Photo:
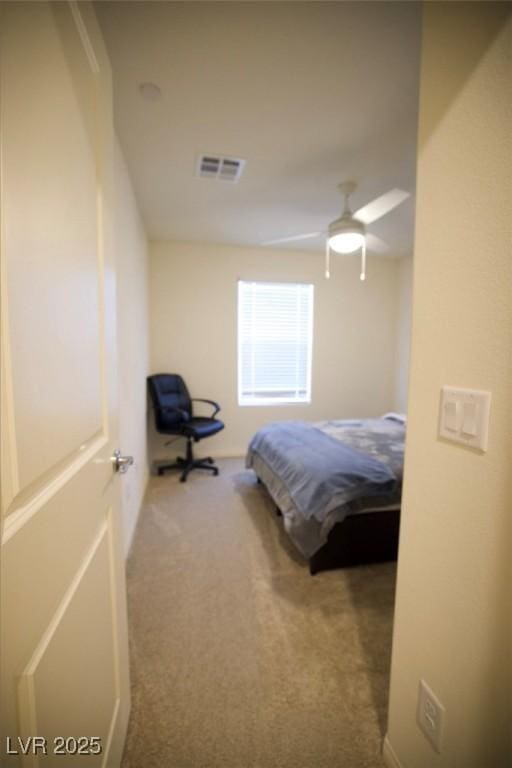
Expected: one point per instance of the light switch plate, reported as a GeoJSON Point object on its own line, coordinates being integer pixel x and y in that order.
{"type": "Point", "coordinates": [464, 416]}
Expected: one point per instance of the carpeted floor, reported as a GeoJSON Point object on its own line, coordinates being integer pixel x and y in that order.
{"type": "Point", "coordinates": [240, 658]}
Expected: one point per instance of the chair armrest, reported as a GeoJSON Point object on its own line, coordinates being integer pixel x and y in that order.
{"type": "Point", "coordinates": [215, 405]}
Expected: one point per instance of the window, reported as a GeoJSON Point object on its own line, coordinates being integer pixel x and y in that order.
{"type": "Point", "coordinates": [275, 339]}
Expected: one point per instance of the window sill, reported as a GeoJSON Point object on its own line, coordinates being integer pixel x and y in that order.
{"type": "Point", "coordinates": [272, 403]}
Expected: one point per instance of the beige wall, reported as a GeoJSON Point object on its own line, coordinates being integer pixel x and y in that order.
{"type": "Point", "coordinates": [133, 345]}
{"type": "Point", "coordinates": [453, 602]}
{"type": "Point", "coordinates": [193, 328]}
{"type": "Point", "coordinates": [403, 337]}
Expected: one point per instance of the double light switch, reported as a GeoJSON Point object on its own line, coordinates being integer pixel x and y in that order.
{"type": "Point", "coordinates": [464, 416]}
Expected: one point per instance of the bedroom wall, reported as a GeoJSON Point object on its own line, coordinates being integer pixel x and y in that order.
{"type": "Point", "coordinates": [453, 602]}
{"type": "Point", "coordinates": [403, 336]}
{"type": "Point", "coordinates": [193, 329]}
{"type": "Point", "coordinates": [133, 344]}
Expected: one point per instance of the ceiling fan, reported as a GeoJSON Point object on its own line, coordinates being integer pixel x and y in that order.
{"type": "Point", "coordinates": [347, 233]}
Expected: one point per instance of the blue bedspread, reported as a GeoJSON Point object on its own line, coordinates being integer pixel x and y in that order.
{"type": "Point", "coordinates": [319, 472]}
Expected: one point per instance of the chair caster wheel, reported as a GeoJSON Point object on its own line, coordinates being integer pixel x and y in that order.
{"type": "Point", "coordinates": [160, 472]}
{"type": "Point", "coordinates": [216, 472]}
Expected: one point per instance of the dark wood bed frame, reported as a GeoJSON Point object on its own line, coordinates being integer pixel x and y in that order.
{"type": "Point", "coordinates": [365, 538]}
{"type": "Point", "coordinates": [370, 537]}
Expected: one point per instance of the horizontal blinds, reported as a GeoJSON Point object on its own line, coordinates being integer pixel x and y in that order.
{"type": "Point", "coordinates": [274, 341]}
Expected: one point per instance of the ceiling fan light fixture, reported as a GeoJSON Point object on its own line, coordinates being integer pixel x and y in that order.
{"type": "Point", "coordinates": [346, 235]}
{"type": "Point", "coordinates": [346, 242]}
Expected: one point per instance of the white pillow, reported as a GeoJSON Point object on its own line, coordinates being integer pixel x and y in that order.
{"type": "Point", "coordinates": [400, 417]}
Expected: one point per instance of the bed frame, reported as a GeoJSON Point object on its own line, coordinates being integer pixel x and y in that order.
{"type": "Point", "coordinates": [371, 537]}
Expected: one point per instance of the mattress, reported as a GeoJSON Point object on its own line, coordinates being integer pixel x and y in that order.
{"type": "Point", "coordinates": [318, 474]}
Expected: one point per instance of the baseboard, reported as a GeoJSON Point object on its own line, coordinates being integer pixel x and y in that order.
{"type": "Point", "coordinates": [128, 542]}
{"type": "Point", "coordinates": [201, 453]}
{"type": "Point", "coordinates": [389, 754]}
{"type": "Point", "coordinates": [230, 455]}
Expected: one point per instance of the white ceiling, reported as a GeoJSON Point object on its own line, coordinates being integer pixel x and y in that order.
{"type": "Point", "coordinates": [308, 93]}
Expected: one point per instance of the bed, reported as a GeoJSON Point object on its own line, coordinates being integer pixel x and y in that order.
{"type": "Point", "coordinates": [337, 485]}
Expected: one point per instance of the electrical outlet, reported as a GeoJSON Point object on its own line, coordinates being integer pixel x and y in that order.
{"type": "Point", "coordinates": [430, 715]}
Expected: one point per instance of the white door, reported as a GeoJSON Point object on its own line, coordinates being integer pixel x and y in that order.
{"type": "Point", "coordinates": [64, 671]}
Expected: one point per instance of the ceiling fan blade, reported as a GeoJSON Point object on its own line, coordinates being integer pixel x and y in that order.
{"type": "Point", "coordinates": [292, 238]}
{"type": "Point", "coordinates": [381, 205]}
{"type": "Point", "coordinates": [374, 243]}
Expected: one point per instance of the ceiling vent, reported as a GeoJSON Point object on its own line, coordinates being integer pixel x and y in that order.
{"type": "Point", "coordinates": [221, 168]}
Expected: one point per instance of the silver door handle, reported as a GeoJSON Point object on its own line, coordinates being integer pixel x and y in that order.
{"type": "Point", "coordinates": [121, 463]}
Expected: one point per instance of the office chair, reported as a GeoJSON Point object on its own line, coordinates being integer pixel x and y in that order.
{"type": "Point", "coordinates": [174, 416]}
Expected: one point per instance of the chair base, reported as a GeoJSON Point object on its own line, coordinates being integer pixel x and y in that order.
{"type": "Point", "coordinates": [188, 464]}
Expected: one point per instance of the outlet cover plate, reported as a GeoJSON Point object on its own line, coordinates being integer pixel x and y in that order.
{"type": "Point", "coordinates": [430, 715]}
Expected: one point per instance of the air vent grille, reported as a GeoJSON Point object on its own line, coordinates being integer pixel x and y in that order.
{"type": "Point", "coordinates": [220, 168]}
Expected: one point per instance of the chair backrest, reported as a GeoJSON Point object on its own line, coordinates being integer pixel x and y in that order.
{"type": "Point", "coordinates": [168, 390]}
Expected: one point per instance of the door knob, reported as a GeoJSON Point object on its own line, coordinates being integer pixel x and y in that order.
{"type": "Point", "coordinates": [121, 463]}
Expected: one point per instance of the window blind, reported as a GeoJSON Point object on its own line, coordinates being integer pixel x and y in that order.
{"type": "Point", "coordinates": [275, 334]}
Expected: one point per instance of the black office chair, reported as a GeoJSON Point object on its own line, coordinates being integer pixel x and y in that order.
{"type": "Point", "coordinates": [174, 416]}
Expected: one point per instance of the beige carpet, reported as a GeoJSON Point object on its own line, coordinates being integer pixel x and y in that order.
{"type": "Point", "coordinates": [240, 658]}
